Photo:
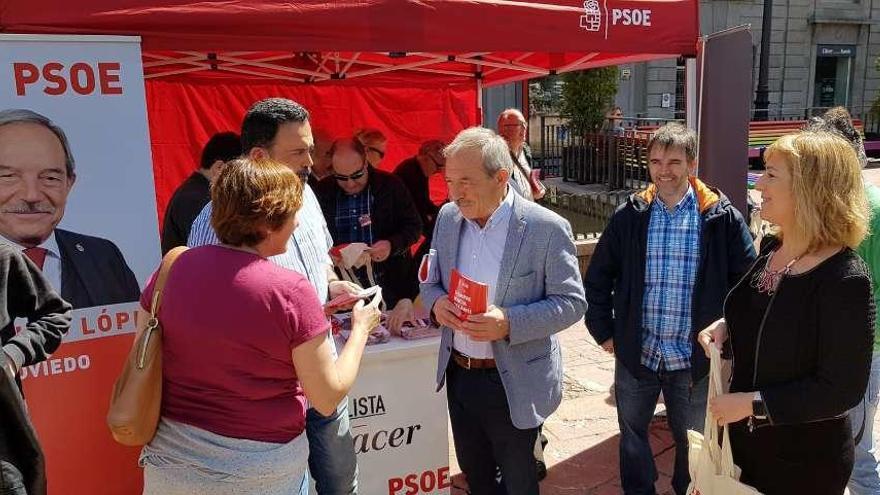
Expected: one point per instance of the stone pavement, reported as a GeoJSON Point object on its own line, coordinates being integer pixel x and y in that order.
{"type": "Point", "coordinates": [582, 454]}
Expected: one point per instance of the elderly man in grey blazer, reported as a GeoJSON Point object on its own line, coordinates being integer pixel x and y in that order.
{"type": "Point", "coordinates": [502, 368]}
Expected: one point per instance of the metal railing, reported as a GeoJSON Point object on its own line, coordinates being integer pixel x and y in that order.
{"type": "Point", "coordinates": [617, 160]}
{"type": "Point", "coordinates": [559, 142]}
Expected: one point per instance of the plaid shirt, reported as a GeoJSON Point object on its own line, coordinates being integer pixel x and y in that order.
{"type": "Point", "coordinates": [349, 211]}
{"type": "Point", "coordinates": [673, 256]}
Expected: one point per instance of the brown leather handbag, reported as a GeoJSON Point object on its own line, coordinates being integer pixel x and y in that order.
{"type": "Point", "coordinates": [137, 395]}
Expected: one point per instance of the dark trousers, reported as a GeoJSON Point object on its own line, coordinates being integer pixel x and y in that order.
{"type": "Point", "coordinates": [484, 434]}
{"type": "Point", "coordinates": [636, 399]}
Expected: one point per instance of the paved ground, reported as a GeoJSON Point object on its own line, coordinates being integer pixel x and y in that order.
{"type": "Point", "coordinates": [582, 454]}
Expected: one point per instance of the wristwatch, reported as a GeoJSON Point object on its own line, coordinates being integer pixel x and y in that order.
{"type": "Point", "coordinates": [758, 409]}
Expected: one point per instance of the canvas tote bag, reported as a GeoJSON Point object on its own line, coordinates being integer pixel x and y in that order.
{"type": "Point", "coordinates": [711, 465]}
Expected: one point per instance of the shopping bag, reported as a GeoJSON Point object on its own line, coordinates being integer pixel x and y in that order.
{"type": "Point", "coordinates": [710, 462]}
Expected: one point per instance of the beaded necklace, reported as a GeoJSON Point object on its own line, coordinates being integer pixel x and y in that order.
{"type": "Point", "coordinates": [766, 280]}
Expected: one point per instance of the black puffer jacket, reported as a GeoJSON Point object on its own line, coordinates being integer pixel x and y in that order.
{"type": "Point", "coordinates": [615, 281]}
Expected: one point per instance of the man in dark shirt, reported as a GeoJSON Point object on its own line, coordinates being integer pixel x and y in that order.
{"type": "Point", "coordinates": [415, 173]}
{"type": "Point", "coordinates": [189, 199]}
{"type": "Point", "coordinates": [364, 204]}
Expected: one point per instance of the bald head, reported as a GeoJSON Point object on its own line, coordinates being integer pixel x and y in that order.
{"type": "Point", "coordinates": [512, 127]}
{"type": "Point", "coordinates": [349, 164]}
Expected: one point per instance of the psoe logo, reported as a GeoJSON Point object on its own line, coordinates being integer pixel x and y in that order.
{"type": "Point", "coordinates": [592, 18]}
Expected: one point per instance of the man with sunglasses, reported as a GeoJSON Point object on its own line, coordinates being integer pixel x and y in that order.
{"type": "Point", "coordinates": [512, 127]}
{"type": "Point", "coordinates": [364, 204]}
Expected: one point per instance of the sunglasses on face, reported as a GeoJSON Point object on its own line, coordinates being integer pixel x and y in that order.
{"type": "Point", "coordinates": [355, 176]}
{"type": "Point", "coordinates": [376, 151]}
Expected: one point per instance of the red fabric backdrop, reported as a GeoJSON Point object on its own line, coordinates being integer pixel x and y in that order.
{"type": "Point", "coordinates": [184, 115]}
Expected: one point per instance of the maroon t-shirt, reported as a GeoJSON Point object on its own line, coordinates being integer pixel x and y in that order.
{"type": "Point", "coordinates": [230, 320]}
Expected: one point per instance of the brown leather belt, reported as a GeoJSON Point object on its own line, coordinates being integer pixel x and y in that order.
{"type": "Point", "coordinates": [470, 363]}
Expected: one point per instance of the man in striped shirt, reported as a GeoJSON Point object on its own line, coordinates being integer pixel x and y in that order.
{"type": "Point", "coordinates": [279, 129]}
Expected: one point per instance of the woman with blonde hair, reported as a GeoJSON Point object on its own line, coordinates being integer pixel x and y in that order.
{"type": "Point", "coordinates": [245, 344]}
{"type": "Point", "coordinates": [799, 325]}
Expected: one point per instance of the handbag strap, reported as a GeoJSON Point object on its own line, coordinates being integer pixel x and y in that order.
{"type": "Point", "coordinates": [710, 427]}
{"type": "Point", "coordinates": [728, 468]}
{"type": "Point", "coordinates": [711, 441]}
{"type": "Point", "coordinates": [164, 270]}
{"type": "Point", "coordinates": [158, 287]}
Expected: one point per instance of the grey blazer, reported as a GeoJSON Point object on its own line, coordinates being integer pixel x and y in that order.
{"type": "Point", "coordinates": [539, 287]}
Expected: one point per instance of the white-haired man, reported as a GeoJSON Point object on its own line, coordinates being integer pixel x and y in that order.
{"type": "Point", "coordinates": [503, 367]}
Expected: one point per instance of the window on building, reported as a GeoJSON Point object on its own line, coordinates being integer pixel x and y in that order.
{"type": "Point", "coordinates": [680, 89]}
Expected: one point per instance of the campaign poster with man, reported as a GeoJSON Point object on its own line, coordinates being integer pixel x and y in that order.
{"type": "Point", "coordinates": [77, 197]}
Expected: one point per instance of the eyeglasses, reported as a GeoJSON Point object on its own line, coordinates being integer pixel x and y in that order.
{"type": "Point", "coordinates": [355, 176]}
{"type": "Point", "coordinates": [376, 151]}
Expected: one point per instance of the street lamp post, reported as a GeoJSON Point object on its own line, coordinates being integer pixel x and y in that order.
{"type": "Point", "coordinates": [762, 100]}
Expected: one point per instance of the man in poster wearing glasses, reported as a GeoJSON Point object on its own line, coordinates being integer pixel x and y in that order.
{"type": "Point", "coordinates": [364, 204]}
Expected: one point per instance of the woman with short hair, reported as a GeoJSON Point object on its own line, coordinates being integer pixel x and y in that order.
{"type": "Point", "coordinates": [800, 323]}
{"type": "Point", "coordinates": [245, 344]}
{"type": "Point", "coordinates": [374, 144]}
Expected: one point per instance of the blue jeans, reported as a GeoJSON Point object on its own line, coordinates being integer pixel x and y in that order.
{"type": "Point", "coordinates": [332, 461]}
{"type": "Point", "coordinates": [636, 399]}
{"type": "Point", "coordinates": [865, 478]}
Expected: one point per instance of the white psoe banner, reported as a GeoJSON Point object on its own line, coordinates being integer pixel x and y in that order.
{"type": "Point", "coordinates": [399, 422]}
{"type": "Point", "coordinates": [96, 217]}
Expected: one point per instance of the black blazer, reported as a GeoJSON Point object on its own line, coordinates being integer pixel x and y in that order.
{"type": "Point", "coordinates": [93, 271]}
{"type": "Point", "coordinates": [812, 359]}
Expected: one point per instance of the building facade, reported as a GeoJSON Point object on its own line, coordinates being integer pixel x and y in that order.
{"type": "Point", "coordinates": [822, 53]}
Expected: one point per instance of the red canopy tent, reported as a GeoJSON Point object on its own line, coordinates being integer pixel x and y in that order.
{"type": "Point", "coordinates": [412, 68]}
{"type": "Point", "coordinates": [415, 69]}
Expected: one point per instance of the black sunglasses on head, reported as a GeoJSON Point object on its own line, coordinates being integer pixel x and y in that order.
{"type": "Point", "coordinates": [355, 176]}
{"type": "Point", "coordinates": [376, 151]}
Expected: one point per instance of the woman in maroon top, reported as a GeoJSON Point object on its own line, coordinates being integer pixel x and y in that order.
{"type": "Point", "coordinates": [245, 345]}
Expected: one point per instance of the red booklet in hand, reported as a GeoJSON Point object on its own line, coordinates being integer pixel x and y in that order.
{"type": "Point", "coordinates": [468, 296]}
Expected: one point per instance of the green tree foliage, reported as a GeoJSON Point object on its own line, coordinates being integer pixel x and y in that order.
{"type": "Point", "coordinates": [587, 96]}
{"type": "Point", "coordinates": [545, 95]}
